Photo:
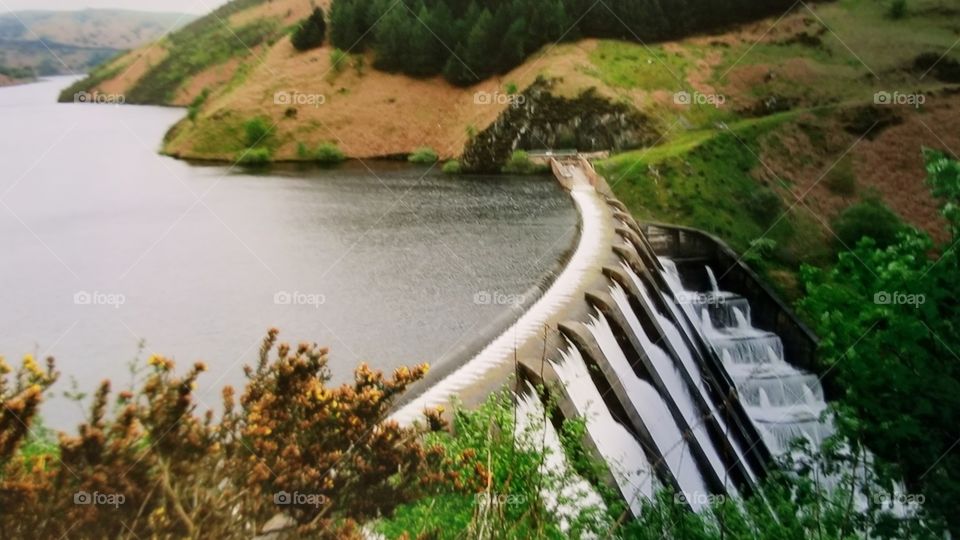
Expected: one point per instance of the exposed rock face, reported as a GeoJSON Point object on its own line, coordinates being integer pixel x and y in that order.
{"type": "Point", "coordinates": [537, 119]}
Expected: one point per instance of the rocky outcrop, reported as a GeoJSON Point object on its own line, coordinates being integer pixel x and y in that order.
{"type": "Point", "coordinates": [538, 119]}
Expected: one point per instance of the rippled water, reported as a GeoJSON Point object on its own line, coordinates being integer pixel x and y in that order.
{"type": "Point", "coordinates": [104, 243]}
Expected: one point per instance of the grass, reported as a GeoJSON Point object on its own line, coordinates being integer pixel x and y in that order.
{"type": "Point", "coordinates": [705, 179]}
{"type": "Point", "coordinates": [633, 66]}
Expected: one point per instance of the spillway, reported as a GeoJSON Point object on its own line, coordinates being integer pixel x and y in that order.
{"type": "Point", "coordinates": [619, 448]}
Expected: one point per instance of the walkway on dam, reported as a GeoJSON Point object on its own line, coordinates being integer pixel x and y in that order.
{"type": "Point", "coordinates": [489, 370]}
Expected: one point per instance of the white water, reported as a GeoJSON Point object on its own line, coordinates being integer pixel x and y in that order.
{"type": "Point", "coordinates": [620, 450]}
{"type": "Point", "coordinates": [784, 402]}
{"type": "Point", "coordinates": [574, 498]}
{"type": "Point", "coordinates": [655, 413]}
{"type": "Point", "coordinates": [679, 345]}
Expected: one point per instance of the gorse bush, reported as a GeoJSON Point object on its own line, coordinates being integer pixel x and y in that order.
{"type": "Point", "coordinates": [311, 32]}
{"type": "Point", "coordinates": [145, 465]}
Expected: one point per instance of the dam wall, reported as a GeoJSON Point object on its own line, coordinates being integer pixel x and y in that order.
{"type": "Point", "coordinates": [683, 384]}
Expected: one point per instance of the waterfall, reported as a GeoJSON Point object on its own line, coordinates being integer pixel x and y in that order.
{"type": "Point", "coordinates": [574, 498]}
{"type": "Point", "coordinates": [655, 413]}
{"type": "Point", "coordinates": [713, 281]}
{"type": "Point", "coordinates": [620, 450]}
{"type": "Point", "coordinates": [659, 357]}
{"type": "Point", "coordinates": [782, 401]}
{"type": "Point", "coordinates": [742, 323]}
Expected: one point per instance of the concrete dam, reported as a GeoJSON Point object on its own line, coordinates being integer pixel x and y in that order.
{"type": "Point", "coordinates": [688, 371]}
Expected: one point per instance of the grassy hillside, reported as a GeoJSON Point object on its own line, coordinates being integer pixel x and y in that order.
{"type": "Point", "coordinates": [66, 42]}
{"type": "Point", "coordinates": [770, 129]}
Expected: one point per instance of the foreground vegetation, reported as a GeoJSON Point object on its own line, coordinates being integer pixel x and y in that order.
{"type": "Point", "coordinates": [302, 460]}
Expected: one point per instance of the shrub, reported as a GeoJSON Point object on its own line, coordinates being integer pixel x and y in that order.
{"type": "Point", "coordinates": [765, 205]}
{"type": "Point", "coordinates": [423, 155]}
{"type": "Point", "coordinates": [452, 167]}
{"type": "Point", "coordinates": [329, 153]}
{"type": "Point", "coordinates": [194, 109]}
{"type": "Point", "coordinates": [869, 218]}
{"type": "Point", "coordinates": [311, 32]}
{"type": "Point", "coordinates": [520, 163]}
{"type": "Point", "coordinates": [256, 132]}
{"type": "Point", "coordinates": [302, 151]}
{"type": "Point", "coordinates": [338, 60]}
{"type": "Point", "coordinates": [255, 157]}
{"type": "Point", "coordinates": [761, 251]}
{"type": "Point", "coordinates": [184, 475]}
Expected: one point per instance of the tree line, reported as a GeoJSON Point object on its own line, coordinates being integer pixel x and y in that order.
{"type": "Point", "coordinates": [469, 40]}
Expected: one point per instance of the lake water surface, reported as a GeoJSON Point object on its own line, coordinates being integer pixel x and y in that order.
{"type": "Point", "coordinates": [104, 244]}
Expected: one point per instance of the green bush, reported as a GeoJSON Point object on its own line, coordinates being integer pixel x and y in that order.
{"type": "Point", "coordinates": [520, 163]}
{"type": "Point", "coordinates": [255, 157]}
{"type": "Point", "coordinates": [423, 155]}
{"type": "Point", "coordinates": [338, 60]}
{"type": "Point", "coordinates": [194, 109]}
{"type": "Point", "coordinates": [452, 167]}
{"type": "Point", "coordinates": [311, 32]}
{"type": "Point", "coordinates": [869, 218]}
{"type": "Point", "coordinates": [256, 132]}
{"type": "Point", "coordinates": [329, 153]}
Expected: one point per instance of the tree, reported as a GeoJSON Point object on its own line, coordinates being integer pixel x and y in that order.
{"type": "Point", "coordinates": [869, 218]}
{"type": "Point", "coordinates": [888, 323]}
{"type": "Point", "coordinates": [311, 32]}
{"type": "Point", "coordinates": [393, 39]}
{"type": "Point", "coordinates": [345, 23]}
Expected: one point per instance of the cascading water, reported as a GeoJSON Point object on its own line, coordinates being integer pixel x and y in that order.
{"type": "Point", "coordinates": [655, 413]}
{"type": "Point", "coordinates": [619, 448]}
{"type": "Point", "coordinates": [678, 344]}
{"type": "Point", "coordinates": [784, 402]}
{"type": "Point", "coordinates": [574, 498]}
